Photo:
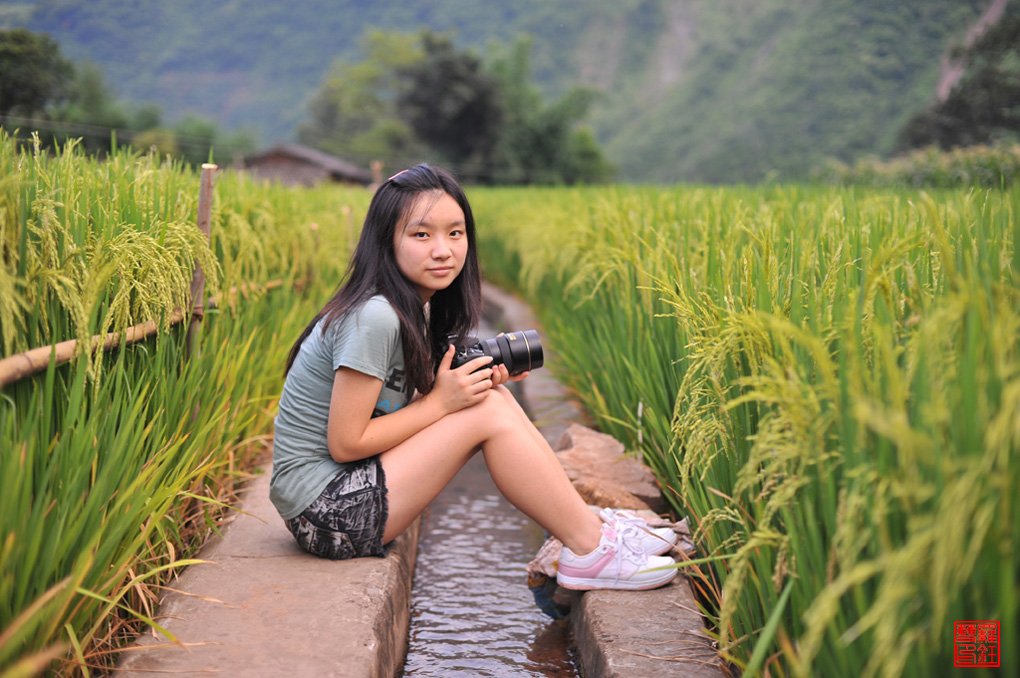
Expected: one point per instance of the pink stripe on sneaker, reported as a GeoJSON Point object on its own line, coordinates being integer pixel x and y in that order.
{"type": "Point", "coordinates": [589, 572]}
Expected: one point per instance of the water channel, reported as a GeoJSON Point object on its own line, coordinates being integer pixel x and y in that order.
{"type": "Point", "coordinates": [472, 613]}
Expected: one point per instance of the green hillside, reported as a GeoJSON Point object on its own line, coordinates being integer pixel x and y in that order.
{"type": "Point", "coordinates": [694, 90]}
{"type": "Point", "coordinates": [777, 85]}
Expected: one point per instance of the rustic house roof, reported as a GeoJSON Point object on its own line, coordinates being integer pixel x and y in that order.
{"type": "Point", "coordinates": [296, 164]}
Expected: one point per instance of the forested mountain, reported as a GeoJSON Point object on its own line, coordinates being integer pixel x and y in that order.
{"type": "Point", "coordinates": [706, 90]}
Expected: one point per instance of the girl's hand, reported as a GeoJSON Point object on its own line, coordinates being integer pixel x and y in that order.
{"type": "Point", "coordinates": [462, 387]}
{"type": "Point", "coordinates": [501, 375]}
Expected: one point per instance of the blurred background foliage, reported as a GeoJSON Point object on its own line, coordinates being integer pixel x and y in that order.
{"type": "Point", "coordinates": [740, 91]}
{"type": "Point", "coordinates": [43, 92]}
{"type": "Point", "coordinates": [417, 96]}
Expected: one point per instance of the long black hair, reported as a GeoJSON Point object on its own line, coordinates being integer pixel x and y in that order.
{"type": "Point", "coordinates": [452, 312]}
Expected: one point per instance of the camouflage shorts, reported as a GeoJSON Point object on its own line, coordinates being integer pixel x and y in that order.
{"type": "Point", "coordinates": [348, 519]}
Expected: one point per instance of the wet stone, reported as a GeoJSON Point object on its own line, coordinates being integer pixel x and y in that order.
{"type": "Point", "coordinates": [597, 466]}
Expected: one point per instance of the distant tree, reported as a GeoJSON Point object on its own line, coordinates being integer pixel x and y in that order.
{"type": "Point", "coordinates": [195, 137]}
{"type": "Point", "coordinates": [419, 96]}
{"type": "Point", "coordinates": [90, 100]}
{"type": "Point", "coordinates": [984, 106]}
{"type": "Point", "coordinates": [452, 104]}
{"type": "Point", "coordinates": [199, 140]}
{"type": "Point", "coordinates": [584, 161]}
{"type": "Point", "coordinates": [353, 114]}
{"type": "Point", "coordinates": [539, 143]}
{"type": "Point", "coordinates": [33, 73]}
{"type": "Point", "coordinates": [74, 102]}
{"type": "Point", "coordinates": [92, 107]}
{"type": "Point", "coordinates": [146, 117]}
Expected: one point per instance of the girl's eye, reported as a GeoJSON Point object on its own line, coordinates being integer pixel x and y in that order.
{"type": "Point", "coordinates": [420, 235]}
{"type": "Point", "coordinates": [456, 233]}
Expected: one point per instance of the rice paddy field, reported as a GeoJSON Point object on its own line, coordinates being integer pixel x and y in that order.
{"type": "Point", "coordinates": [825, 379]}
{"type": "Point", "coordinates": [115, 467]}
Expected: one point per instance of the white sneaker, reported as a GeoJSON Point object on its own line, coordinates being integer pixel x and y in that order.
{"type": "Point", "coordinates": [652, 541]}
{"type": "Point", "coordinates": [615, 564]}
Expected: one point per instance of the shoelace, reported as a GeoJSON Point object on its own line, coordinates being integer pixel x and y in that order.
{"type": "Point", "coordinates": [627, 518]}
{"type": "Point", "coordinates": [623, 543]}
{"type": "Point", "coordinates": [632, 536]}
{"type": "Point", "coordinates": [630, 522]}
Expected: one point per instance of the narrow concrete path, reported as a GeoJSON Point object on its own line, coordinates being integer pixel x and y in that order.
{"type": "Point", "coordinates": [263, 608]}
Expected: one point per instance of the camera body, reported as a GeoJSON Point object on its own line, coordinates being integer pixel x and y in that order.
{"type": "Point", "coordinates": [520, 351]}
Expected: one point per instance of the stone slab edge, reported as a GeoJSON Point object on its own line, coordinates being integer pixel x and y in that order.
{"type": "Point", "coordinates": [619, 634]}
{"type": "Point", "coordinates": [261, 607]}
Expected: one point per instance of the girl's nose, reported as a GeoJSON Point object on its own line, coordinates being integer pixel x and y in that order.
{"type": "Point", "coordinates": [441, 249]}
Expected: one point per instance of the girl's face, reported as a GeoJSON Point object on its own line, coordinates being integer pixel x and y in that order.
{"type": "Point", "coordinates": [431, 243]}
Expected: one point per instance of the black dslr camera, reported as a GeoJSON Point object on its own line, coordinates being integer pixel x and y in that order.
{"type": "Point", "coordinates": [520, 351]}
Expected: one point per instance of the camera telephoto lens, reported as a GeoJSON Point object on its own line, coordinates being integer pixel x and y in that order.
{"type": "Point", "coordinates": [520, 351]}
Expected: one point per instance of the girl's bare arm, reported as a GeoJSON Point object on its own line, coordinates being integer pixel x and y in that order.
{"type": "Point", "coordinates": [353, 433]}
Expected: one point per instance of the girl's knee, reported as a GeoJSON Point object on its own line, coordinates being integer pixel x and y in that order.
{"type": "Point", "coordinates": [495, 408]}
{"type": "Point", "coordinates": [496, 398]}
{"type": "Point", "coordinates": [496, 414]}
{"type": "Point", "coordinates": [510, 399]}
{"type": "Point", "coordinates": [503, 391]}
{"type": "Point", "coordinates": [485, 411]}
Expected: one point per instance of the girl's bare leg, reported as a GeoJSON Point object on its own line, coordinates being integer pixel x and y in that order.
{"type": "Point", "coordinates": [519, 411]}
{"type": "Point", "coordinates": [520, 461]}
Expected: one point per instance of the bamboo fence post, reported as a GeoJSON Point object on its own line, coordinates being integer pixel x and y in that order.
{"type": "Point", "coordinates": [16, 367]}
{"type": "Point", "coordinates": [20, 365]}
{"type": "Point", "coordinates": [205, 194]}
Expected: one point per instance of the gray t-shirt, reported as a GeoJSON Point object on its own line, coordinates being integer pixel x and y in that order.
{"type": "Point", "coordinates": [366, 339]}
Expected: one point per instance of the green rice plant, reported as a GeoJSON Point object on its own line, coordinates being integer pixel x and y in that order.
{"type": "Point", "coordinates": [73, 260]}
{"type": "Point", "coordinates": [842, 371]}
{"type": "Point", "coordinates": [114, 468]}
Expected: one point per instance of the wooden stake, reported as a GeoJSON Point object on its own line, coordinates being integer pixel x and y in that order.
{"type": "Point", "coordinates": [205, 195]}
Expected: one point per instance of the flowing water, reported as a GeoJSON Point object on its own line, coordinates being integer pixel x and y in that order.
{"type": "Point", "coordinates": [472, 613]}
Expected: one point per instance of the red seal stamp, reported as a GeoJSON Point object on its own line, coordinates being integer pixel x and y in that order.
{"type": "Point", "coordinates": [975, 644]}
